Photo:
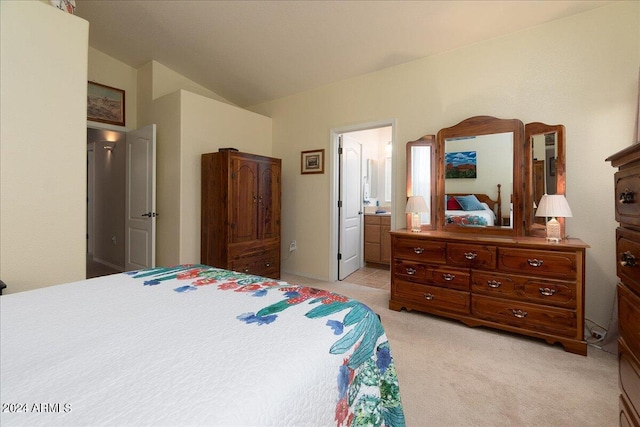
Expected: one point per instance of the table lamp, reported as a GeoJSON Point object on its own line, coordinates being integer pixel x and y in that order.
{"type": "Point", "coordinates": [415, 206]}
{"type": "Point", "coordinates": [554, 205]}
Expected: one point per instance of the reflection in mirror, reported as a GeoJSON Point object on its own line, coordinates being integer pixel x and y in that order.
{"type": "Point", "coordinates": [482, 166]}
{"type": "Point", "coordinates": [421, 174]}
{"type": "Point", "coordinates": [547, 154]}
{"type": "Point", "coordinates": [497, 146]}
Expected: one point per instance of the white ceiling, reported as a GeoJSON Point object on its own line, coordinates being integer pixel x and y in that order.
{"type": "Point", "coordinates": [254, 51]}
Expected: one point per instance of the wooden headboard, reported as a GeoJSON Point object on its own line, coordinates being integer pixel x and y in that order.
{"type": "Point", "coordinates": [496, 204]}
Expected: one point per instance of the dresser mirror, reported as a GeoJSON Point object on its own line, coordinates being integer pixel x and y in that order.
{"type": "Point", "coordinates": [421, 176]}
{"type": "Point", "coordinates": [547, 166]}
{"type": "Point", "coordinates": [482, 157]}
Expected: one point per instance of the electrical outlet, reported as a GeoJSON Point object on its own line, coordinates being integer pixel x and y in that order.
{"type": "Point", "coordinates": [292, 246]}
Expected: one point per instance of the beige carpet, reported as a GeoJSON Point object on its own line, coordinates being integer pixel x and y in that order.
{"type": "Point", "coordinates": [453, 375]}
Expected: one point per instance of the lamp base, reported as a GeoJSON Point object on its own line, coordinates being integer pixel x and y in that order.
{"type": "Point", "coordinates": [415, 223]}
{"type": "Point", "coordinates": [553, 231]}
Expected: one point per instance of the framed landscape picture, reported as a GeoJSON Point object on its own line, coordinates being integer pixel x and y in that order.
{"type": "Point", "coordinates": [105, 104]}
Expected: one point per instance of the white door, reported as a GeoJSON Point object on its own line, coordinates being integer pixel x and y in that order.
{"type": "Point", "coordinates": [140, 204]}
{"type": "Point", "coordinates": [351, 211]}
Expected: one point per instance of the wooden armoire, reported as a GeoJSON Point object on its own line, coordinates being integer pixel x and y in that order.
{"type": "Point", "coordinates": [240, 228]}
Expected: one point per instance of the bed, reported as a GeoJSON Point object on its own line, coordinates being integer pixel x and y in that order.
{"type": "Point", "coordinates": [473, 210]}
{"type": "Point", "coordinates": [193, 345]}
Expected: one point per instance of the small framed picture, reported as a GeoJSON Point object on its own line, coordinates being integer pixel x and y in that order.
{"type": "Point", "coordinates": [105, 104]}
{"type": "Point", "coordinates": [312, 161]}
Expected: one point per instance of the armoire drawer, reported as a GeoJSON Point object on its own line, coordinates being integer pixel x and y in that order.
{"type": "Point", "coordinates": [627, 193]}
{"type": "Point", "coordinates": [420, 250]}
{"type": "Point", "coordinates": [265, 265]}
{"type": "Point", "coordinates": [472, 256]}
{"type": "Point", "coordinates": [523, 288]}
{"type": "Point", "coordinates": [628, 257]}
{"type": "Point", "coordinates": [538, 318]}
{"type": "Point", "coordinates": [562, 265]}
{"type": "Point", "coordinates": [433, 297]}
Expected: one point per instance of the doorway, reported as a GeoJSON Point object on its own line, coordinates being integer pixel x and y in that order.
{"type": "Point", "coordinates": [367, 183]}
{"type": "Point", "coordinates": [105, 201]}
{"type": "Point", "coordinates": [121, 207]}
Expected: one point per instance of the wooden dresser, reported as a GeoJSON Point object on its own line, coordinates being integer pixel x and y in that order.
{"type": "Point", "coordinates": [518, 284]}
{"type": "Point", "coordinates": [240, 222]}
{"type": "Point", "coordinates": [377, 246]}
{"type": "Point", "coordinates": [627, 210]}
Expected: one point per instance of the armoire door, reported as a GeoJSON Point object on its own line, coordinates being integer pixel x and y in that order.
{"type": "Point", "coordinates": [269, 200]}
{"type": "Point", "coordinates": [243, 200]}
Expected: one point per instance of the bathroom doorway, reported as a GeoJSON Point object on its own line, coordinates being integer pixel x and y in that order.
{"type": "Point", "coordinates": [370, 190]}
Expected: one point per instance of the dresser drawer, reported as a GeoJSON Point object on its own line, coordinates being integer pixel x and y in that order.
{"type": "Point", "coordinates": [420, 250]}
{"type": "Point", "coordinates": [629, 318]}
{"type": "Point", "coordinates": [411, 270]}
{"type": "Point", "coordinates": [451, 278]}
{"type": "Point", "coordinates": [627, 193]}
{"type": "Point", "coordinates": [433, 297]}
{"type": "Point", "coordinates": [543, 263]}
{"type": "Point", "coordinates": [628, 257]}
{"type": "Point", "coordinates": [629, 379]}
{"type": "Point", "coordinates": [473, 256]}
{"type": "Point", "coordinates": [528, 289]}
{"type": "Point", "coordinates": [550, 320]}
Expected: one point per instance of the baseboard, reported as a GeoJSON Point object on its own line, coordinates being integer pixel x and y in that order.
{"type": "Point", "coordinates": [108, 264]}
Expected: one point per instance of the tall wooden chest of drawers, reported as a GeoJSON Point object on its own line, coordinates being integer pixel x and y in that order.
{"type": "Point", "coordinates": [523, 285]}
{"type": "Point", "coordinates": [627, 210]}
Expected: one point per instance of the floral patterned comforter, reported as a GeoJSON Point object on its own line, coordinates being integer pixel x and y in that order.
{"type": "Point", "coordinates": [194, 345]}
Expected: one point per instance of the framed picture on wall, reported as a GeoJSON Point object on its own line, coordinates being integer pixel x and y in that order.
{"type": "Point", "coordinates": [105, 104]}
{"type": "Point", "coordinates": [312, 162]}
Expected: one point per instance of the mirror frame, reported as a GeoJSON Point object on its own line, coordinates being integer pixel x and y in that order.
{"type": "Point", "coordinates": [538, 128]}
{"type": "Point", "coordinates": [485, 125]}
{"type": "Point", "coordinates": [426, 140]}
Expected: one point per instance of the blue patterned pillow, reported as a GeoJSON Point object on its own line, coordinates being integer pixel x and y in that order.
{"type": "Point", "coordinates": [470, 203]}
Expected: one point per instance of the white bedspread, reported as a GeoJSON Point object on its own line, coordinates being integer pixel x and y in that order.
{"type": "Point", "coordinates": [208, 347]}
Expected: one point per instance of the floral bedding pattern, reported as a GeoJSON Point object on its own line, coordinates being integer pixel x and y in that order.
{"type": "Point", "coordinates": [367, 392]}
{"type": "Point", "coordinates": [466, 220]}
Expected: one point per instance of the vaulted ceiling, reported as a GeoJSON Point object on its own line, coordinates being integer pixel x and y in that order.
{"type": "Point", "coordinates": [254, 51]}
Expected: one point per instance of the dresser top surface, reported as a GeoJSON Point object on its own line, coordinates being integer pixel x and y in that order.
{"type": "Point", "coordinates": [569, 243]}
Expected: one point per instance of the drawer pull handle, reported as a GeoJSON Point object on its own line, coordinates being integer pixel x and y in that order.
{"type": "Point", "coordinates": [418, 250]}
{"type": "Point", "coordinates": [246, 269]}
{"type": "Point", "coordinates": [493, 284]}
{"type": "Point", "coordinates": [267, 264]}
{"type": "Point", "coordinates": [627, 259]}
{"type": "Point", "coordinates": [411, 271]}
{"type": "Point", "coordinates": [627, 196]}
{"type": "Point", "coordinates": [519, 313]}
{"type": "Point", "coordinates": [448, 277]}
{"type": "Point", "coordinates": [547, 292]}
{"type": "Point", "coordinates": [429, 297]}
{"type": "Point", "coordinates": [535, 262]}
{"type": "Point", "coordinates": [470, 255]}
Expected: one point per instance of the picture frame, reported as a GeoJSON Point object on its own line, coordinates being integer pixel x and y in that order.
{"type": "Point", "coordinates": [105, 104]}
{"type": "Point", "coordinates": [461, 164]}
{"type": "Point", "coordinates": [312, 161]}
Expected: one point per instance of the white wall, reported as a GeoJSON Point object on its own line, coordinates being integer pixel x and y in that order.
{"type": "Point", "coordinates": [580, 71]}
{"type": "Point", "coordinates": [43, 105]}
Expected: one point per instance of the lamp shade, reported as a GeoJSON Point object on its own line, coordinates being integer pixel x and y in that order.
{"type": "Point", "coordinates": [416, 204]}
{"type": "Point", "coordinates": [554, 205]}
